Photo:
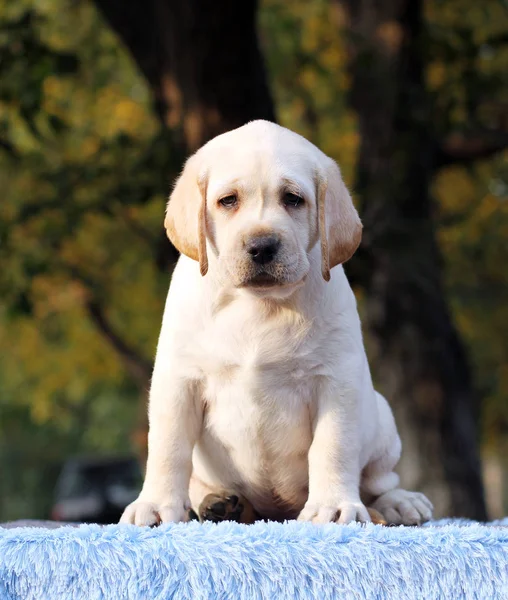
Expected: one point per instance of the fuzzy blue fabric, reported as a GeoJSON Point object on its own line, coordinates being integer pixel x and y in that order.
{"type": "Point", "coordinates": [299, 561]}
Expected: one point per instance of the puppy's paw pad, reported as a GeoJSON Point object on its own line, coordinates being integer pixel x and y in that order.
{"type": "Point", "coordinates": [376, 517]}
{"type": "Point", "coordinates": [226, 507]}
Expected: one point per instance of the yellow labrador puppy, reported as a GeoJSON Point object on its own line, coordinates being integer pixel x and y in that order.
{"type": "Point", "coordinates": [261, 384]}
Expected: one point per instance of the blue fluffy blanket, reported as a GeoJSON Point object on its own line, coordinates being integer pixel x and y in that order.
{"type": "Point", "coordinates": [263, 561]}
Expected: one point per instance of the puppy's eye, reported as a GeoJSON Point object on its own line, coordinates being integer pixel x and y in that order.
{"type": "Point", "coordinates": [292, 200]}
{"type": "Point", "coordinates": [228, 201]}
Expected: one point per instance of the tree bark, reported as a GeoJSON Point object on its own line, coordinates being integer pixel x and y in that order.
{"type": "Point", "coordinates": [418, 359]}
{"type": "Point", "coordinates": [201, 59]}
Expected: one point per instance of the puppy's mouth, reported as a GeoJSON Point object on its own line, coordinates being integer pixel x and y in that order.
{"type": "Point", "coordinates": [266, 283]}
{"type": "Point", "coordinates": [263, 280]}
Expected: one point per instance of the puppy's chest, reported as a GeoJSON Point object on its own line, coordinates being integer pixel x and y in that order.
{"type": "Point", "coordinates": [265, 361]}
{"type": "Point", "coordinates": [257, 385]}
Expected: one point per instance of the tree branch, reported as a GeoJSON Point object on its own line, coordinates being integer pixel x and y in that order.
{"type": "Point", "coordinates": [9, 148]}
{"type": "Point", "coordinates": [139, 367]}
{"type": "Point", "coordinates": [465, 148]}
{"type": "Point", "coordinates": [496, 40]}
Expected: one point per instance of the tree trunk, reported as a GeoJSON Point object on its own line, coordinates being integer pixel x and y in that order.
{"type": "Point", "coordinates": [418, 359]}
{"type": "Point", "coordinates": [201, 59]}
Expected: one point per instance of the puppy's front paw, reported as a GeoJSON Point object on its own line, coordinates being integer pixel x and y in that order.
{"type": "Point", "coordinates": [343, 512]}
{"type": "Point", "coordinates": [226, 507]}
{"type": "Point", "coordinates": [401, 507]}
{"type": "Point", "coordinates": [151, 514]}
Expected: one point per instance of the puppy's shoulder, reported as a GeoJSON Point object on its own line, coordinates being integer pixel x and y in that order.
{"type": "Point", "coordinates": [337, 294]}
{"type": "Point", "coordinates": [185, 290]}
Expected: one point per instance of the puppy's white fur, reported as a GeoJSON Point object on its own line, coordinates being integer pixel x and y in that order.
{"type": "Point", "coordinates": [264, 389]}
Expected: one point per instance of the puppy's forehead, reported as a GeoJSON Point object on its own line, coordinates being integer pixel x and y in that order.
{"type": "Point", "coordinates": [251, 160]}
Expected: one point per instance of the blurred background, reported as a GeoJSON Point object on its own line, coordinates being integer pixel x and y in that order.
{"type": "Point", "coordinates": [100, 102]}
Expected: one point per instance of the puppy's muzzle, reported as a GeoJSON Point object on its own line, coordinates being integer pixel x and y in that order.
{"type": "Point", "coordinates": [263, 248]}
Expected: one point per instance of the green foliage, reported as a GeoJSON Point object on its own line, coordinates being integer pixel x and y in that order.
{"type": "Point", "coordinates": [85, 169]}
{"type": "Point", "coordinates": [307, 65]}
{"type": "Point", "coordinates": [473, 234]}
{"type": "Point", "coordinates": [468, 78]}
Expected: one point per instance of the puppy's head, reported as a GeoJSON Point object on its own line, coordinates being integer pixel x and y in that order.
{"type": "Point", "coordinates": [259, 198]}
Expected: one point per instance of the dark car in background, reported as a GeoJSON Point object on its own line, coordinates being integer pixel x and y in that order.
{"type": "Point", "coordinates": [96, 489]}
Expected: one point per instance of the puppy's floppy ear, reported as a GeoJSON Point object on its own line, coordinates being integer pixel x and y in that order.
{"type": "Point", "coordinates": [340, 228]}
{"type": "Point", "coordinates": [185, 221]}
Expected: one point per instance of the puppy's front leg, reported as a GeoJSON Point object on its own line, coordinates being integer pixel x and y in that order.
{"type": "Point", "coordinates": [175, 416]}
{"type": "Point", "coordinates": [334, 465]}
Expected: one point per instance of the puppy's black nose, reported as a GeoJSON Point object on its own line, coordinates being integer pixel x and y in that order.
{"type": "Point", "coordinates": [263, 248]}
